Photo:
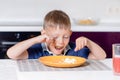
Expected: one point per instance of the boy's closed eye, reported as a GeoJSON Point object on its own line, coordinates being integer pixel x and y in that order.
{"type": "Point", "coordinates": [66, 37]}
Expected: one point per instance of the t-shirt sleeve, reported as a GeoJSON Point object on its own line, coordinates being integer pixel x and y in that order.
{"type": "Point", "coordinates": [84, 52]}
{"type": "Point", "coordinates": [35, 51]}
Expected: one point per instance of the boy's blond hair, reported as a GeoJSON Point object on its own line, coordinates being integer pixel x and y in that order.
{"type": "Point", "coordinates": [57, 18]}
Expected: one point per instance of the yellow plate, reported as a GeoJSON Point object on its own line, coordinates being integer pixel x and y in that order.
{"type": "Point", "coordinates": [62, 61]}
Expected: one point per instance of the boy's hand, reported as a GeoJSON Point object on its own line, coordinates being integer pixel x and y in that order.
{"type": "Point", "coordinates": [44, 38]}
{"type": "Point", "coordinates": [80, 43]}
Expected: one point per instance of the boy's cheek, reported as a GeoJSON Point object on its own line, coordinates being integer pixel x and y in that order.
{"type": "Point", "coordinates": [51, 42]}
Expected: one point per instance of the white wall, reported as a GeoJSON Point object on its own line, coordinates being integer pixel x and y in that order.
{"type": "Point", "coordinates": [35, 10]}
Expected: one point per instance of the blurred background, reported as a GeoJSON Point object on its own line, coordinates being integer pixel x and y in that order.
{"type": "Point", "coordinates": [22, 19]}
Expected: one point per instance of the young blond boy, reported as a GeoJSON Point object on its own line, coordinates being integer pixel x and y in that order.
{"type": "Point", "coordinates": [54, 40]}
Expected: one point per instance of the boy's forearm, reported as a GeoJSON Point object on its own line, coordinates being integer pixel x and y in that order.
{"type": "Point", "coordinates": [96, 51]}
{"type": "Point", "coordinates": [21, 47]}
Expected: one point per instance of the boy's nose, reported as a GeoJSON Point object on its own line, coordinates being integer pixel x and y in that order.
{"type": "Point", "coordinates": [60, 41]}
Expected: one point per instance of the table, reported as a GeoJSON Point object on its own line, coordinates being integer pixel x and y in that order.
{"type": "Point", "coordinates": [8, 69]}
{"type": "Point", "coordinates": [11, 69]}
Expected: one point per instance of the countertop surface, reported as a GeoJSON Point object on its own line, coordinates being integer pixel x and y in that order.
{"type": "Point", "coordinates": [103, 27]}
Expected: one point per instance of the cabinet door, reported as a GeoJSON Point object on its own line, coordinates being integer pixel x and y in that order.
{"type": "Point", "coordinates": [104, 39]}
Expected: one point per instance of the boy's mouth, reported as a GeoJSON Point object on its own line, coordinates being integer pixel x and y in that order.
{"type": "Point", "coordinates": [58, 48]}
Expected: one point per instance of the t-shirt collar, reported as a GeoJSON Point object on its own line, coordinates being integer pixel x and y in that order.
{"type": "Point", "coordinates": [45, 48]}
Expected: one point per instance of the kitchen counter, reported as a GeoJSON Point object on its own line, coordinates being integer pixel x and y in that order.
{"type": "Point", "coordinates": [20, 28]}
{"type": "Point", "coordinates": [96, 70]}
{"type": "Point", "coordinates": [103, 27]}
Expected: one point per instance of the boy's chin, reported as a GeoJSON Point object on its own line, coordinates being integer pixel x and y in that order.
{"type": "Point", "coordinates": [58, 53]}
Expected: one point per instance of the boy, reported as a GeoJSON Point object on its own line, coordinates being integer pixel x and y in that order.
{"type": "Point", "coordinates": [54, 40]}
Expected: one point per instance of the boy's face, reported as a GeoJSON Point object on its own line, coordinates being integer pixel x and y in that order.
{"type": "Point", "coordinates": [59, 39]}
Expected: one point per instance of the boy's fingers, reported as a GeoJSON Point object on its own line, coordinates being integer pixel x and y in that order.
{"type": "Point", "coordinates": [85, 42]}
{"type": "Point", "coordinates": [47, 40]}
{"type": "Point", "coordinates": [79, 46]}
{"type": "Point", "coordinates": [76, 49]}
{"type": "Point", "coordinates": [50, 40]}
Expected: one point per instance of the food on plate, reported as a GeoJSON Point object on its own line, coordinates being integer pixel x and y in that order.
{"type": "Point", "coordinates": [68, 61]}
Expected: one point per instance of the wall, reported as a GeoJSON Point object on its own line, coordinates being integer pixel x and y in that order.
{"type": "Point", "coordinates": [34, 10]}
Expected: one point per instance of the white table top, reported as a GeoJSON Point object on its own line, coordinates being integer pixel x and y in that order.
{"type": "Point", "coordinates": [8, 71]}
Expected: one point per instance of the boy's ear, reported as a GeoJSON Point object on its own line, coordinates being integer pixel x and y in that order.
{"type": "Point", "coordinates": [43, 31]}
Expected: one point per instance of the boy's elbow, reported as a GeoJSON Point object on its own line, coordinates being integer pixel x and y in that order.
{"type": "Point", "coordinates": [104, 56]}
{"type": "Point", "coordinates": [10, 54]}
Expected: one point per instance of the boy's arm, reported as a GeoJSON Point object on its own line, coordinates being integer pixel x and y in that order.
{"type": "Point", "coordinates": [96, 51]}
{"type": "Point", "coordinates": [19, 50]}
